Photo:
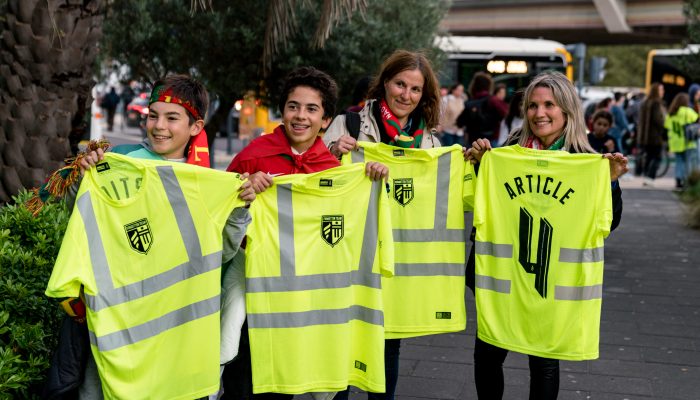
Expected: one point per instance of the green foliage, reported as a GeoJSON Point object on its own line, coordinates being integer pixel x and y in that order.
{"type": "Point", "coordinates": [691, 197]}
{"type": "Point", "coordinates": [626, 64]}
{"type": "Point", "coordinates": [224, 47]}
{"type": "Point", "coordinates": [29, 321]}
{"type": "Point", "coordinates": [691, 63]}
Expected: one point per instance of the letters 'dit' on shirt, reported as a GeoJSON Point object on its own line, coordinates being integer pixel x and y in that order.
{"type": "Point", "coordinates": [145, 242]}
{"type": "Point", "coordinates": [541, 218]}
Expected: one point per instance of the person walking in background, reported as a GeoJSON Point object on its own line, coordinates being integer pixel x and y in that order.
{"type": "Point", "coordinates": [555, 121]}
{"type": "Point", "coordinates": [483, 112]}
{"type": "Point", "coordinates": [109, 103]}
{"type": "Point", "coordinates": [403, 110]}
{"type": "Point", "coordinates": [513, 120]}
{"type": "Point", "coordinates": [694, 96]}
{"type": "Point", "coordinates": [651, 133]}
{"type": "Point", "coordinates": [679, 115]}
{"type": "Point", "coordinates": [599, 138]}
{"type": "Point", "coordinates": [620, 124]}
{"type": "Point", "coordinates": [359, 94]}
{"type": "Point", "coordinates": [453, 104]}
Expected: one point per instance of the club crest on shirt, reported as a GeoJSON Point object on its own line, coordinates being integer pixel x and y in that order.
{"type": "Point", "coordinates": [403, 190]}
{"type": "Point", "coordinates": [332, 228]}
{"type": "Point", "coordinates": [139, 235]}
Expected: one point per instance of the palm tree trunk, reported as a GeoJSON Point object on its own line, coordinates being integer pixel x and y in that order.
{"type": "Point", "coordinates": [47, 52]}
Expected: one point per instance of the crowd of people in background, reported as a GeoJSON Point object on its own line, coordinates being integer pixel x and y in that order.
{"type": "Point", "coordinates": [638, 124]}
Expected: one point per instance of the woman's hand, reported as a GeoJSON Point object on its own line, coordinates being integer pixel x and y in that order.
{"type": "Point", "coordinates": [376, 171]}
{"type": "Point", "coordinates": [91, 159]}
{"type": "Point", "coordinates": [247, 193]}
{"type": "Point", "coordinates": [260, 181]}
{"type": "Point", "coordinates": [343, 145]}
{"type": "Point", "coordinates": [478, 149]}
{"type": "Point", "coordinates": [618, 165]}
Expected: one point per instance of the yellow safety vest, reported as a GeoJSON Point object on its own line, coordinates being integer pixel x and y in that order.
{"type": "Point", "coordinates": [145, 244]}
{"type": "Point", "coordinates": [315, 251]}
{"type": "Point", "coordinates": [427, 202]}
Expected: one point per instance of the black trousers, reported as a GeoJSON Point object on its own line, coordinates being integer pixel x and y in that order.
{"type": "Point", "coordinates": [238, 375]}
{"type": "Point", "coordinates": [391, 370]}
{"type": "Point", "coordinates": [488, 373]}
{"type": "Point", "coordinates": [652, 159]}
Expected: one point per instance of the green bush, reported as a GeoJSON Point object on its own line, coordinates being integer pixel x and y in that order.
{"type": "Point", "coordinates": [691, 196]}
{"type": "Point", "coordinates": [29, 321]}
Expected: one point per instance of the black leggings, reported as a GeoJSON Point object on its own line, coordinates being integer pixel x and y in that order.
{"type": "Point", "coordinates": [238, 376]}
{"type": "Point", "coordinates": [391, 371]}
{"type": "Point", "coordinates": [488, 373]}
{"type": "Point", "coordinates": [652, 159]}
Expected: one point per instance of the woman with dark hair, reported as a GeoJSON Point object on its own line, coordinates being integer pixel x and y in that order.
{"type": "Point", "coordinates": [651, 133]}
{"type": "Point", "coordinates": [483, 112]}
{"type": "Point", "coordinates": [403, 107]}
{"type": "Point", "coordinates": [514, 118]}
{"type": "Point", "coordinates": [403, 110]}
{"type": "Point", "coordinates": [453, 104]}
{"type": "Point", "coordinates": [554, 121]}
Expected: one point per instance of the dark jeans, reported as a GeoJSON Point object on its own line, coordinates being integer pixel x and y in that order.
{"type": "Point", "coordinates": [238, 375]}
{"type": "Point", "coordinates": [488, 373]}
{"type": "Point", "coordinates": [448, 139]}
{"type": "Point", "coordinates": [391, 371]}
{"type": "Point", "coordinates": [652, 159]}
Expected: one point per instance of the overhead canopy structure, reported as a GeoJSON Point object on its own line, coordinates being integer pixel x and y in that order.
{"type": "Point", "coordinates": [571, 21]}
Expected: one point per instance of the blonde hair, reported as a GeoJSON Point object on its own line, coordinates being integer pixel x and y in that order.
{"type": "Point", "coordinates": [565, 96]}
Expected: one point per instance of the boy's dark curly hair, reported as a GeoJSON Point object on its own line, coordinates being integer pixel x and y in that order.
{"type": "Point", "coordinates": [315, 79]}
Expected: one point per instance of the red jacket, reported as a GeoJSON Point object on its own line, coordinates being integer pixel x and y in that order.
{"type": "Point", "coordinates": [272, 153]}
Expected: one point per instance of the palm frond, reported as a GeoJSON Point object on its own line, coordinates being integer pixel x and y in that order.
{"type": "Point", "coordinates": [332, 12]}
{"type": "Point", "coordinates": [203, 4]}
{"type": "Point", "coordinates": [282, 23]}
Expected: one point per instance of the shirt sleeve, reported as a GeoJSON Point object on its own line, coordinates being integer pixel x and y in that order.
{"type": "Point", "coordinates": [72, 267]}
{"type": "Point", "coordinates": [468, 186]}
{"type": "Point", "coordinates": [604, 215]}
{"type": "Point", "coordinates": [219, 193]}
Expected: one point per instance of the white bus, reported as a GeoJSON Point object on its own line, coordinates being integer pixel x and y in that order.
{"type": "Point", "coordinates": [511, 61]}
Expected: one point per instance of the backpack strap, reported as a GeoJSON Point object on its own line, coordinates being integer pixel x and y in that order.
{"type": "Point", "coordinates": [352, 124]}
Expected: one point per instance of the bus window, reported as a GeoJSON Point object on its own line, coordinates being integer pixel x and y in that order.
{"type": "Point", "coordinates": [667, 66]}
{"type": "Point", "coordinates": [511, 61]}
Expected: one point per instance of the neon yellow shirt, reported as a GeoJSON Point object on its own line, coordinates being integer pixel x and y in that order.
{"type": "Point", "coordinates": [675, 126]}
{"type": "Point", "coordinates": [145, 244]}
{"type": "Point", "coordinates": [541, 217]}
{"type": "Point", "coordinates": [314, 256]}
{"type": "Point", "coordinates": [427, 202]}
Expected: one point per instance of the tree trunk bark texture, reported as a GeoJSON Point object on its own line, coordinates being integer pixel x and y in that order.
{"type": "Point", "coordinates": [47, 51]}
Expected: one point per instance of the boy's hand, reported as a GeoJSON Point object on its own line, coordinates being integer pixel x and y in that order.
{"type": "Point", "coordinates": [610, 145]}
{"type": "Point", "coordinates": [618, 165]}
{"type": "Point", "coordinates": [478, 149]}
{"type": "Point", "coordinates": [376, 171]}
{"type": "Point", "coordinates": [90, 160]}
{"type": "Point", "coordinates": [260, 181]}
{"type": "Point", "coordinates": [247, 193]}
{"type": "Point", "coordinates": [344, 145]}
